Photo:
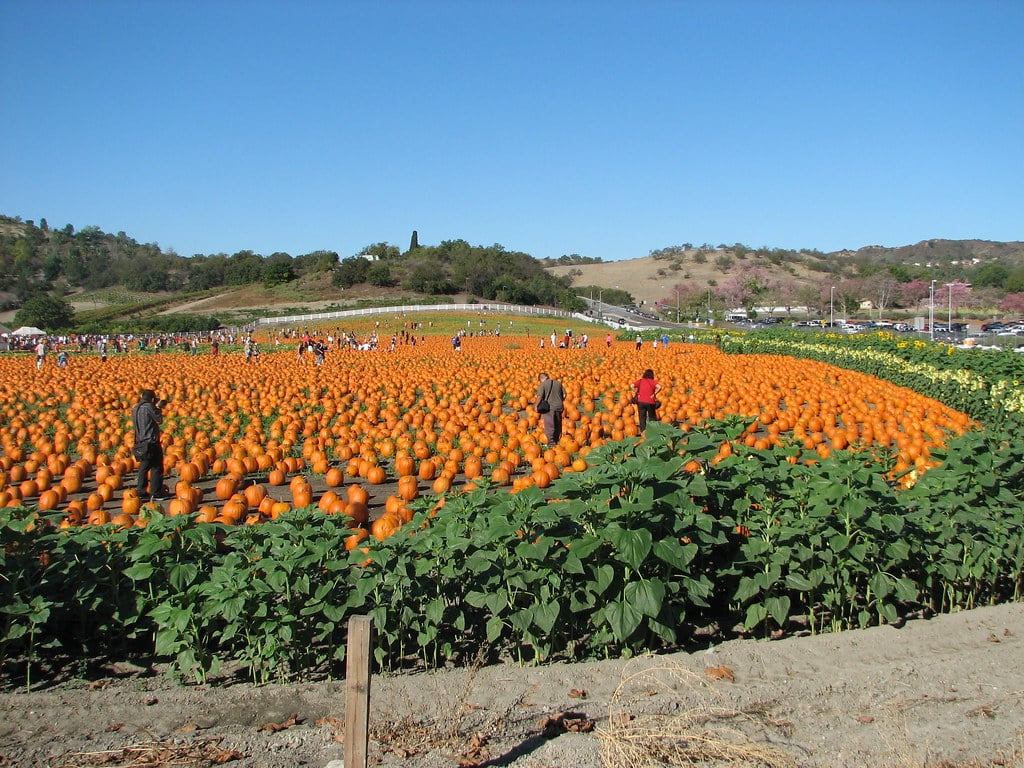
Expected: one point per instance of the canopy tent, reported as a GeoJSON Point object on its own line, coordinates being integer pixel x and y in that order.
{"type": "Point", "coordinates": [27, 330]}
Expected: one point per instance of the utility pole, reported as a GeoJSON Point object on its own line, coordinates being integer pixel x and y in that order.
{"type": "Point", "coordinates": [931, 313]}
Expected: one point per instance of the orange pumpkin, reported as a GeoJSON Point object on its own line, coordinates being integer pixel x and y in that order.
{"type": "Point", "coordinates": [384, 526]}
{"type": "Point", "coordinates": [226, 487]}
{"type": "Point", "coordinates": [302, 495]}
{"type": "Point", "coordinates": [48, 500]}
{"type": "Point", "coordinates": [408, 487]}
{"type": "Point", "coordinates": [405, 465]}
{"type": "Point", "coordinates": [358, 511]}
{"type": "Point", "coordinates": [356, 492]}
{"type": "Point", "coordinates": [254, 494]}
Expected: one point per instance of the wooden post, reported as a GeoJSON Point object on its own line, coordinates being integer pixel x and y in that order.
{"type": "Point", "coordinates": [357, 691]}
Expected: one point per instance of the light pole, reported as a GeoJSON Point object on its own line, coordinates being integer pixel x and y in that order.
{"type": "Point", "coordinates": [949, 292]}
{"type": "Point", "coordinates": [832, 307]}
{"type": "Point", "coordinates": [677, 304]}
{"type": "Point", "coordinates": [600, 305]}
{"type": "Point", "coordinates": [931, 313]}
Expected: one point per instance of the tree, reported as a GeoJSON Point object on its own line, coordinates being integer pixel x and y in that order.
{"type": "Point", "coordinates": [46, 312]}
{"type": "Point", "coordinates": [991, 276]}
{"type": "Point", "coordinates": [244, 268]}
{"type": "Point", "coordinates": [351, 271]}
{"type": "Point", "coordinates": [381, 251]}
{"type": "Point", "coordinates": [688, 298]}
{"type": "Point", "coordinates": [915, 292]}
{"type": "Point", "coordinates": [747, 288]}
{"type": "Point", "coordinates": [881, 287]}
{"type": "Point", "coordinates": [278, 273]}
{"type": "Point", "coordinates": [1013, 303]}
{"type": "Point", "coordinates": [1014, 282]}
{"type": "Point", "coordinates": [427, 278]}
{"type": "Point", "coordinates": [414, 243]}
{"type": "Point", "coordinates": [379, 274]}
{"type": "Point", "coordinates": [313, 263]}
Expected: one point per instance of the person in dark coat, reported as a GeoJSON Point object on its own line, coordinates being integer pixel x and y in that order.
{"type": "Point", "coordinates": [146, 419]}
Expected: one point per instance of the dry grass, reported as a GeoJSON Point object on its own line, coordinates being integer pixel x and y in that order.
{"type": "Point", "coordinates": [695, 731]}
{"type": "Point", "coordinates": [193, 754]}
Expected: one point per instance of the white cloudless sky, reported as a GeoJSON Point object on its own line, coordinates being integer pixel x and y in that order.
{"type": "Point", "coordinates": [607, 129]}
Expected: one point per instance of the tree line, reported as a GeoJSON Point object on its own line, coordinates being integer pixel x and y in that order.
{"type": "Point", "coordinates": [38, 262]}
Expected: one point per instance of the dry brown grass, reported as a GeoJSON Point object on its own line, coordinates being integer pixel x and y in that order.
{"type": "Point", "coordinates": [192, 754]}
{"type": "Point", "coordinates": [688, 728]}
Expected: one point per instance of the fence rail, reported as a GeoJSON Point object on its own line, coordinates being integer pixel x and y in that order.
{"type": "Point", "coordinates": [265, 322]}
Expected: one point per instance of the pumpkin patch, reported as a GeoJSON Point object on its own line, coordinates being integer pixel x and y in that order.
{"type": "Point", "coordinates": [421, 413]}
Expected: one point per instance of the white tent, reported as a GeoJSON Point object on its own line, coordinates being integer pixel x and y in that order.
{"type": "Point", "coordinates": [27, 330]}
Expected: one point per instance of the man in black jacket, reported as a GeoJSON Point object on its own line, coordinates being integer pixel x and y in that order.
{"type": "Point", "coordinates": [146, 418]}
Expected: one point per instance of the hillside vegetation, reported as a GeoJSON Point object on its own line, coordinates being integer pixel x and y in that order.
{"type": "Point", "coordinates": [93, 281]}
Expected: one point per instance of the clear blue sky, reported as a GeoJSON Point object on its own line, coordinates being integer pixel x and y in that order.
{"type": "Point", "coordinates": [607, 129]}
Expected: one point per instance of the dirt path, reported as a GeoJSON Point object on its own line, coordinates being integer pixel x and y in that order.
{"type": "Point", "coordinates": [944, 692]}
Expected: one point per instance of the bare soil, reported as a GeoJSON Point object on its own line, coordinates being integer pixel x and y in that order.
{"type": "Point", "coordinates": [948, 691]}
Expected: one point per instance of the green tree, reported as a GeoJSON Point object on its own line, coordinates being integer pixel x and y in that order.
{"type": "Point", "coordinates": [278, 273]}
{"type": "Point", "coordinates": [1014, 282]}
{"type": "Point", "coordinates": [426, 278]}
{"type": "Point", "coordinates": [205, 272]}
{"type": "Point", "coordinates": [414, 243]}
{"type": "Point", "coordinates": [244, 268]}
{"type": "Point", "coordinates": [351, 271]}
{"type": "Point", "coordinates": [381, 251]}
{"type": "Point", "coordinates": [315, 262]}
{"type": "Point", "coordinates": [46, 312]}
{"type": "Point", "coordinates": [991, 276]}
{"type": "Point", "coordinates": [379, 274]}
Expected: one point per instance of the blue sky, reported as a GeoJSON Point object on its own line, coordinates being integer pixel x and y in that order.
{"type": "Point", "coordinates": [606, 129]}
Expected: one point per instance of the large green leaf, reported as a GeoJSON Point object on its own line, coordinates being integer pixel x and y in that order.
{"type": "Point", "coordinates": [633, 546]}
{"type": "Point", "coordinates": [623, 617]}
{"type": "Point", "coordinates": [646, 596]}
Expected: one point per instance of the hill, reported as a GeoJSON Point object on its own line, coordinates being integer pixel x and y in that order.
{"type": "Point", "coordinates": [111, 282]}
{"type": "Point", "coordinates": [724, 277]}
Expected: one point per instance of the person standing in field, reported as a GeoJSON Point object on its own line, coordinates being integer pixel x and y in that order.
{"type": "Point", "coordinates": [550, 404]}
{"type": "Point", "coordinates": [646, 397]}
{"type": "Point", "coordinates": [146, 419]}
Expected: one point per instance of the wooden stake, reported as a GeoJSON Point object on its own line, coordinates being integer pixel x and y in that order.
{"type": "Point", "coordinates": [357, 691]}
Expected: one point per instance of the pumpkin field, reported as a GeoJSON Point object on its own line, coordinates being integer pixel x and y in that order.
{"type": "Point", "coordinates": [793, 482]}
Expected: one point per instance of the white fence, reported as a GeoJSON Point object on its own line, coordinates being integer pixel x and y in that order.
{"type": "Point", "coordinates": [480, 308]}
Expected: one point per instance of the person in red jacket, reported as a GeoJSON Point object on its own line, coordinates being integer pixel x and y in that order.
{"type": "Point", "coordinates": [647, 390]}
